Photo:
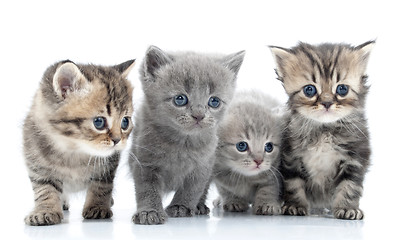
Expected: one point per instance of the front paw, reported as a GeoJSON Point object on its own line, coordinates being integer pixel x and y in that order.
{"type": "Point", "coordinates": [149, 217]}
{"type": "Point", "coordinates": [295, 210]}
{"type": "Point", "coordinates": [202, 209]}
{"type": "Point", "coordinates": [97, 212]}
{"type": "Point", "coordinates": [43, 217]}
{"type": "Point", "coordinates": [235, 206]}
{"type": "Point", "coordinates": [348, 213]}
{"type": "Point", "coordinates": [267, 209]}
{"type": "Point", "coordinates": [179, 211]}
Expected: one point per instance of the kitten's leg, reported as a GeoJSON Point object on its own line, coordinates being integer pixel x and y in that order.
{"type": "Point", "coordinates": [148, 187]}
{"type": "Point", "coordinates": [201, 208]}
{"type": "Point", "coordinates": [98, 199]}
{"type": "Point", "coordinates": [267, 201]}
{"type": "Point", "coordinates": [231, 202]}
{"type": "Point", "coordinates": [187, 197]}
{"type": "Point", "coordinates": [48, 206]}
{"type": "Point", "coordinates": [347, 195]}
{"type": "Point", "coordinates": [296, 202]}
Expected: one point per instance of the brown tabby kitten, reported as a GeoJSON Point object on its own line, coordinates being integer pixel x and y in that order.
{"type": "Point", "coordinates": [325, 148]}
{"type": "Point", "coordinates": [79, 122]}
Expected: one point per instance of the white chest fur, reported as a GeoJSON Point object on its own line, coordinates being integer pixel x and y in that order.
{"type": "Point", "coordinates": [321, 160]}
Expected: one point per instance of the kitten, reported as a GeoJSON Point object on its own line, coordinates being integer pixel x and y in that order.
{"type": "Point", "coordinates": [79, 122]}
{"type": "Point", "coordinates": [247, 155]}
{"type": "Point", "coordinates": [325, 148]}
{"type": "Point", "coordinates": [186, 95]}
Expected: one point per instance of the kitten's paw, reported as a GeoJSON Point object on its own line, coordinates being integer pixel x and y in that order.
{"type": "Point", "coordinates": [202, 209]}
{"type": "Point", "coordinates": [235, 207]}
{"type": "Point", "coordinates": [348, 214]}
{"type": "Point", "coordinates": [179, 211]}
{"type": "Point", "coordinates": [42, 218]}
{"type": "Point", "coordinates": [97, 212]}
{"type": "Point", "coordinates": [149, 217]}
{"type": "Point", "coordinates": [267, 209]}
{"type": "Point", "coordinates": [294, 210]}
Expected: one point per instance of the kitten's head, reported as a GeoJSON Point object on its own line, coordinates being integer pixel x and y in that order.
{"type": "Point", "coordinates": [249, 136]}
{"type": "Point", "coordinates": [325, 83]}
{"type": "Point", "coordinates": [188, 91]}
{"type": "Point", "coordinates": [88, 108]}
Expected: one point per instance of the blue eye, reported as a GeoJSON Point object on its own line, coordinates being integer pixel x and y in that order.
{"type": "Point", "coordinates": [125, 123]}
{"type": "Point", "coordinates": [242, 146]}
{"type": "Point", "coordinates": [214, 102]}
{"type": "Point", "coordinates": [309, 90]}
{"type": "Point", "coordinates": [180, 100]}
{"type": "Point", "coordinates": [99, 123]}
{"type": "Point", "coordinates": [268, 147]}
{"type": "Point", "coordinates": [342, 90]}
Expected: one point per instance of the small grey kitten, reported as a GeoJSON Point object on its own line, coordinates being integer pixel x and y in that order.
{"type": "Point", "coordinates": [247, 156]}
{"type": "Point", "coordinates": [186, 95]}
{"type": "Point", "coordinates": [78, 124]}
{"type": "Point", "coordinates": [325, 148]}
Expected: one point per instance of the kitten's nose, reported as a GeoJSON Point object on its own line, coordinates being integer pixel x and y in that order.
{"type": "Point", "coordinates": [327, 104]}
{"type": "Point", "coordinates": [198, 118]}
{"type": "Point", "coordinates": [258, 161]}
{"type": "Point", "coordinates": [115, 140]}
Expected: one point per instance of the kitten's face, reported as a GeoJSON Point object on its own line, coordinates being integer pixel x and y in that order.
{"type": "Point", "coordinates": [249, 143]}
{"type": "Point", "coordinates": [188, 92]}
{"type": "Point", "coordinates": [95, 108]}
{"type": "Point", "coordinates": [325, 83]}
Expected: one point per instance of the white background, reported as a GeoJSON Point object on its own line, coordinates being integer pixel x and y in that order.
{"type": "Point", "coordinates": [35, 34]}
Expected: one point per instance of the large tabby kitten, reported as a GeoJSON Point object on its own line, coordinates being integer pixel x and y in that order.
{"type": "Point", "coordinates": [326, 151]}
{"type": "Point", "coordinates": [79, 122]}
{"type": "Point", "coordinates": [186, 95]}
{"type": "Point", "coordinates": [247, 156]}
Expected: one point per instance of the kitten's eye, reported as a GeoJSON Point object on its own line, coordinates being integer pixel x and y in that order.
{"type": "Point", "coordinates": [99, 123]}
{"type": "Point", "coordinates": [242, 146]}
{"type": "Point", "coordinates": [309, 90]}
{"type": "Point", "coordinates": [125, 123]}
{"type": "Point", "coordinates": [342, 90]}
{"type": "Point", "coordinates": [214, 102]}
{"type": "Point", "coordinates": [180, 100]}
{"type": "Point", "coordinates": [268, 147]}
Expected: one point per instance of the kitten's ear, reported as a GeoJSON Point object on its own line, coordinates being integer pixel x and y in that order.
{"type": "Point", "coordinates": [234, 61]}
{"type": "Point", "coordinates": [280, 54]}
{"type": "Point", "coordinates": [69, 79]}
{"type": "Point", "coordinates": [366, 49]}
{"type": "Point", "coordinates": [125, 67]}
{"type": "Point", "coordinates": [155, 58]}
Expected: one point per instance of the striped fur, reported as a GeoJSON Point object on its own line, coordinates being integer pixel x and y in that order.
{"type": "Point", "coordinates": [253, 118]}
{"type": "Point", "coordinates": [325, 149]}
{"type": "Point", "coordinates": [64, 152]}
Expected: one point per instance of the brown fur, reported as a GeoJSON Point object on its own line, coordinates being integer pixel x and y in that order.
{"type": "Point", "coordinates": [64, 152]}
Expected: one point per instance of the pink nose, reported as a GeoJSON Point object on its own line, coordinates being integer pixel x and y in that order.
{"type": "Point", "coordinates": [198, 118]}
{"type": "Point", "coordinates": [258, 161]}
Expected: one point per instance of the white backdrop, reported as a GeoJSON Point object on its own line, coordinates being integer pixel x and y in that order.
{"type": "Point", "coordinates": [35, 34]}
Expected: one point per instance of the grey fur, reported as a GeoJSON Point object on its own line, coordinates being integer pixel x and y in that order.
{"type": "Point", "coordinates": [171, 152]}
{"type": "Point", "coordinates": [325, 153]}
{"type": "Point", "coordinates": [254, 118]}
{"type": "Point", "coordinates": [64, 153]}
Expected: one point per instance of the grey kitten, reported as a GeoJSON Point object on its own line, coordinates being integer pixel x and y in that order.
{"type": "Point", "coordinates": [186, 95]}
{"type": "Point", "coordinates": [79, 122]}
{"type": "Point", "coordinates": [247, 156]}
{"type": "Point", "coordinates": [325, 148]}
